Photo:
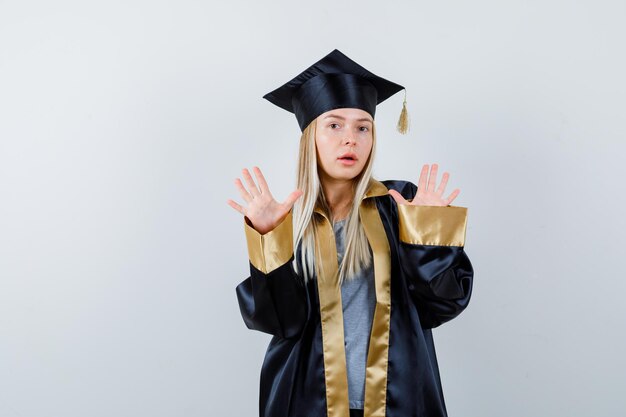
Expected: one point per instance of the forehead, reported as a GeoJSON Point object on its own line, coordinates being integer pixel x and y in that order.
{"type": "Point", "coordinates": [347, 114]}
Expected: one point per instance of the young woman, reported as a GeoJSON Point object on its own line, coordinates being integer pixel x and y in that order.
{"type": "Point", "coordinates": [349, 274]}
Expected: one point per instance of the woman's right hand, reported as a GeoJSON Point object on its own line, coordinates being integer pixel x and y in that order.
{"type": "Point", "coordinates": [262, 210]}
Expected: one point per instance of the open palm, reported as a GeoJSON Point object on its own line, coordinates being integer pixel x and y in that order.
{"type": "Point", "coordinates": [263, 211]}
{"type": "Point", "coordinates": [426, 194]}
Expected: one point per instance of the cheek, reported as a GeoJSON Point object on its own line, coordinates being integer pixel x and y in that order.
{"type": "Point", "coordinates": [367, 147]}
{"type": "Point", "coordinates": [323, 148]}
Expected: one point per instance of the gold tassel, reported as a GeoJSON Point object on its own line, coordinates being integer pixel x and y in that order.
{"type": "Point", "coordinates": [403, 121]}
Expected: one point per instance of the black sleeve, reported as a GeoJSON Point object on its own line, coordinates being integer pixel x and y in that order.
{"type": "Point", "coordinates": [273, 298]}
{"type": "Point", "coordinates": [438, 271]}
{"type": "Point", "coordinates": [439, 280]}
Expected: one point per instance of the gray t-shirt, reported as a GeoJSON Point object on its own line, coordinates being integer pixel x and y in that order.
{"type": "Point", "coordinates": [358, 299]}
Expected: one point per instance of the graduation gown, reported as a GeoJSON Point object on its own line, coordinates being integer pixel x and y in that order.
{"type": "Point", "coordinates": [423, 278]}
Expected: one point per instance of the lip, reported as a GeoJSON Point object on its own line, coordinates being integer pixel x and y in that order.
{"type": "Point", "coordinates": [348, 162]}
{"type": "Point", "coordinates": [348, 155]}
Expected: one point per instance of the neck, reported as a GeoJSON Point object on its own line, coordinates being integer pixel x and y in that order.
{"type": "Point", "coordinates": [339, 195]}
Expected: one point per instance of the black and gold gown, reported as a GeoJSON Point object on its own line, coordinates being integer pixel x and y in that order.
{"type": "Point", "coordinates": [423, 278]}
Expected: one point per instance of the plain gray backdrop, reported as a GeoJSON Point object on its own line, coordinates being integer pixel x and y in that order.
{"type": "Point", "coordinates": [123, 125]}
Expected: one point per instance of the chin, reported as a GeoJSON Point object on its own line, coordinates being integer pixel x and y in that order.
{"type": "Point", "coordinates": [344, 174]}
{"type": "Point", "coordinates": [347, 176]}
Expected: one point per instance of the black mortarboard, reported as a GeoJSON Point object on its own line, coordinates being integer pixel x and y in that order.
{"type": "Point", "coordinates": [333, 82]}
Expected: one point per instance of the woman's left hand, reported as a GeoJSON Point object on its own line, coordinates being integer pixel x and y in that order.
{"type": "Point", "coordinates": [426, 194]}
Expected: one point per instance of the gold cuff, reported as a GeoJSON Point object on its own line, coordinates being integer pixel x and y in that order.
{"type": "Point", "coordinates": [273, 249]}
{"type": "Point", "coordinates": [432, 225]}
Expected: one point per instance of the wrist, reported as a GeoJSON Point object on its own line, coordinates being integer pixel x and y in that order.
{"type": "Point", "coordinates": [264, 229]}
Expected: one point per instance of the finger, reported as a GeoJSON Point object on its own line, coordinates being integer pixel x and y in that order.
{"type": "Point", "coordinates": [421, 184]}
{"type": "Point", "coordinates": [452, 196]}
{"type": "Point", "coordinates": [291, 199]}
{"type": "Point", "coordinates": [251, 185]}
{"type": "Point", "coordinates": [261, 180]}
{"type": "Point", "coordinates": [236, 206]}
{"type": "Point", "coordinates": [398, 197]}
{"type": "Point", "coordinates": [242, 191]}
{"type": "Point", "coordinates": [432, 178]}
{"type": "Point", "coordinates": [444, 182]}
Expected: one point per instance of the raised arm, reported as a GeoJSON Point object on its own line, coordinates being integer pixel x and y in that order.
{"type": "Point", "coordinates": [273, 298]}
{"type": "Point", "coordinates": [432, 240]}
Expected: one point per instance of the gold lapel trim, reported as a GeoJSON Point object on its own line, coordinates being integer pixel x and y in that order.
{"type": "Point", "coordinates": [331, 312]}
{"type": "Point", "coordinates": [331, 316]}
{"type": "Point", "coordinates": [376, 189]}
{"type": "Point", "coordinates": [378, 354]}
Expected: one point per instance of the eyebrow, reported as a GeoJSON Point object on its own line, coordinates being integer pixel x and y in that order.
{"type": "Point", "coordinates": [362, 119]}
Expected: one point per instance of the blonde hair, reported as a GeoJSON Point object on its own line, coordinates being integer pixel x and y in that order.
{"type": "Point", "coordinates": [357, 253]}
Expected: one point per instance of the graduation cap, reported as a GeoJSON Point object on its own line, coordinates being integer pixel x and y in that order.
{"type": "Point", "coordinates": [333, 82]}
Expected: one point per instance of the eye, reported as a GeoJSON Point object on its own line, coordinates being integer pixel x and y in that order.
{"type": "Point", "coordinates": [332, 125]}
{"type": "Point", "coordinates": [364, 129]}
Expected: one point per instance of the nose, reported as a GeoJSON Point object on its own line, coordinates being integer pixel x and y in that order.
{"type": "Point", "coordinates": [349, 139]}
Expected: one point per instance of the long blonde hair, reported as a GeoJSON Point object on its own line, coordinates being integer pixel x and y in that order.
{"type": "Point", "coordinates": [357, 253]}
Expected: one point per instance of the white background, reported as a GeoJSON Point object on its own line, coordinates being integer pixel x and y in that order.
{"type": "Point", "coordinates": [123, 125]}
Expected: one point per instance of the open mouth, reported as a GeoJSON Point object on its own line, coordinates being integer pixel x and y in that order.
{"type": "Point", "coordinates": [348, 157]}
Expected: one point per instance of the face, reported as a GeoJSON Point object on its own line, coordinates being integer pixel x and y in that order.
{"type": "Point", "coordinates": [344, 142]}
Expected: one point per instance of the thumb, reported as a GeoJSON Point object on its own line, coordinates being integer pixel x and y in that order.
{"type": "Point", "coordinates": [398, 197]}
{"type": "Point", "coordinates": [292, 198]}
